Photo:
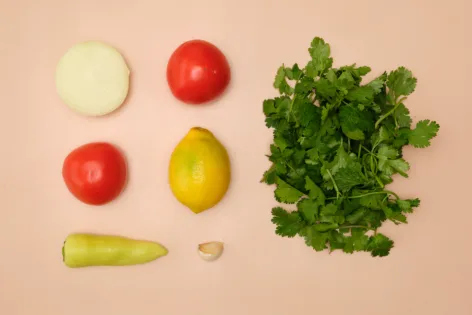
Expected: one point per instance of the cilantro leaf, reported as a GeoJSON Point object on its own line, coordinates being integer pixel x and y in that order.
{"type": "Point", "coordinates": [401, 137]}
{"type": "Point", "coordinates": [356, 216]}
{"type": "Point", "coordinates": [399, 165]}
{"type": "Point", "coordinates": [286, 193]}
{"type": "Point", "coordinates": [305, 86]}
{"type": "Point", "coordinates": [372, 201]}
{"type": "Point", "coordinates": [279, 77]}
{"type": "Point", "coordinates": [270, 176]}
{"type": "Point", "coordinates": [359, 239]}
{"type": "Point", "coordinates": [320, 53]}
{"type": "Point", "coordinates": [336, 240]}
{"type": "Point", "coordinates": [379, 245]}
{"type": "Point", "coordinates": [349, 176]}
{"type": "Point", "coordinates": [329, 209]}
{"type": "Point", "coordinates": [315, 192]}
{"type": "Point", "coordinates": [293, 73]}
{"type": "Point", "coordinates": [378, 83]}
{"type": "Point", "coordinates": [325, 89]}
{"type": "Point", "coordinates": [314, 238]}
{"type": "Point", "coordinates": [388, 163]}
{"type": "Point", "coordinates": [394, 214]}
{"type": "Point", "coordinates": [269, 107]}
{"type": "Point", "coordinates": [349, 77]}
{"type": "Point", "coordinates": [345, 81]}
{"type": "Point", "coordinates": [306, 113]}
{"type": "Point", "coordinates": [281, 83]}
{"type": "Point", "coordinates": [373, 219]}
{"type": "Point", "coordinates": [355, 122]}
{"type": "Point", "coordinates": [325, 226]}
{"type": "Point", "coordinates": [402, 116]}
{"type": "Point", "coordinates": [361, 94]}
{"type": "Point", "coordinates": [425, 130]}
{"type": "Point", "coordinates": [343, 172]}
{"type": "Point", "coordinates": [309, 209]}
{"type": "Point", "coordinates": [408, 204]}
{"type": "Point", "coordinates": [386, 152]}
{"type": "Point", "coordinates": [332, 215]}
{"type": "Point", "coordinates": [280, 141]}
{"type": "Point", "coordinates": [340, 160]}
{"type": "Point", "coordinates": [401, 82]}
{"type": "Point", "coordinates": [382, 135]}
{"type": "Point", "coordinates": [288, 223]}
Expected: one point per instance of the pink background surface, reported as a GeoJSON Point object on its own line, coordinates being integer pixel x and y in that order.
{"type": "Point", "coordinates": [429, 270]}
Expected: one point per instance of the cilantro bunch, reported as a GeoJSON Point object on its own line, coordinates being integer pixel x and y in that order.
{"type": "Point", "coordinates": [337, 143]}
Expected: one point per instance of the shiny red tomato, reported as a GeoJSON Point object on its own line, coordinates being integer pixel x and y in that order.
{"type": "Point", "coordinates": [197, 72]}
{"type": "Point", "coordinates": [95, 173]}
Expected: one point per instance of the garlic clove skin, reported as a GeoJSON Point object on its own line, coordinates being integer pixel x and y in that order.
{"type": "Point", "coordinates": [210, 251]}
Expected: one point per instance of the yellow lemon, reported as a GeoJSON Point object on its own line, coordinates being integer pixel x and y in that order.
{"type": "Point", "coordinates": [199, 170]}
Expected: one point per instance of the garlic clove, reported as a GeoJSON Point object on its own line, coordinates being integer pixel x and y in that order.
{"type": "Point", "coordinates": [210, 251]}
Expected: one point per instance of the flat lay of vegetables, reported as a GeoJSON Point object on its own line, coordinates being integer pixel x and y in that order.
{"type": "Point", "coordinates": [338, 143]}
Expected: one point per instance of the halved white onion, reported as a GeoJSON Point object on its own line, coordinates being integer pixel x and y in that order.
{"type": "Point", "coordinates": [92, 78]}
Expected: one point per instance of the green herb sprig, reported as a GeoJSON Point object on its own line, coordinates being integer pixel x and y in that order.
{"type": "Point", "coordinates": [337, 144]}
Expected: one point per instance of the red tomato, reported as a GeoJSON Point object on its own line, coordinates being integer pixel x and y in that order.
{"type": "Point", "coordinates": [95, 173]}
{"type": "Point", "coordinates": [197, 72]}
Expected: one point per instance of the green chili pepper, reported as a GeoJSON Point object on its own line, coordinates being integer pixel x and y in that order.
{"type": "Point", "coordinates": [84, 250]}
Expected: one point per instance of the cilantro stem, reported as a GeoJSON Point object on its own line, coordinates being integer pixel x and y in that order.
{"type": "Point", "coordinates": [334, 184]}
{"type": "Point", "coordinates": [291, 104]}
{"type": "Point", "coordinates": [386, 115]}
{"type": "Point", "coordinates": [290, 166]}
{"type": "Point", "coordinates": [402, 100]}
{"type": "Point", "coordinates": [369, 194]}
{"type": "Point", "coordinates": [397, 103]}
{"type": "Point", "coordinates": [290, 110]}
{"type": "Point", "coordinates": [375, 146]}
{"type": "Point", "coordinates": [374, 164]}
{"type": "Point", "coordinates": [379, 181]}
{"type": "Point", "coordinates": [355, 226]}
{"type": "Point", "coordinates": [374, 168]}
{"type": "Point", "coordinates": [365, 149]}
{"type": "Point", "coordinates": [375, 193]}
{"type": "Point", "coordinates": [365, 170]}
